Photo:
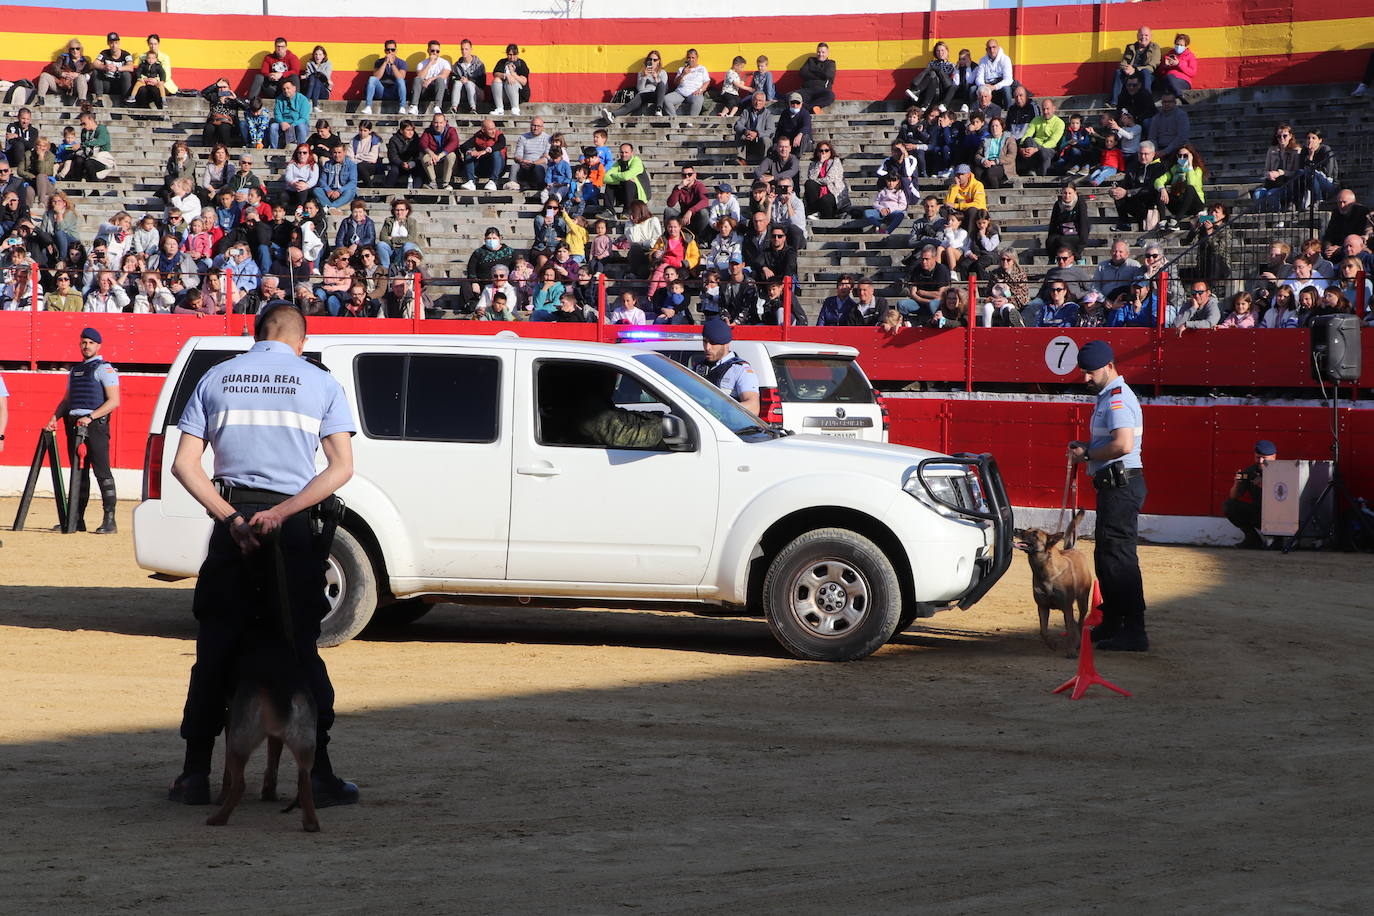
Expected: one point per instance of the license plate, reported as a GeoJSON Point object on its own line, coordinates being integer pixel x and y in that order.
{"type": "Point", "coordinates": [839, 434]}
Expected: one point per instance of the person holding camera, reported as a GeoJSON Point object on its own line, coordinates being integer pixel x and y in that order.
{"type": "Point", "coordinates": [1242, 506]}
{"type": "Point", "coordinates": [1113, 459]}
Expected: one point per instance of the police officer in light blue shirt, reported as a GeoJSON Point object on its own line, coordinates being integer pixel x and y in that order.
{"type": "Point", "coordinates": [265, 413]}
{"type": "Point", "coordinates": [1113, 459]}
{"type": "Point", "coordinates": [92, 395]}
{"type": "Point", "coordinates": [726, 370]}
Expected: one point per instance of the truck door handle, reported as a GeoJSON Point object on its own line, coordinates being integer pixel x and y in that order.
{"type": "Point", "coordinates": [538, 470]}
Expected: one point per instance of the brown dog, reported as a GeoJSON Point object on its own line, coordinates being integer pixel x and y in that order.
{"type": "Point", "coordinates": [1060, 577]}
{"type": "Point", "coordinates": [272, 702]}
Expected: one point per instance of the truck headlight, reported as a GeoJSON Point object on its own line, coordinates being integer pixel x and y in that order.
{"type": "Point", "coordinates": [952, 488]}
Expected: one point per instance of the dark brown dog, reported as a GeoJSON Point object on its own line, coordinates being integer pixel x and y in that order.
{"type": "Point", "coordinates": [1060, 578]}
{"type": "Point", "coordinates": [271, 702]}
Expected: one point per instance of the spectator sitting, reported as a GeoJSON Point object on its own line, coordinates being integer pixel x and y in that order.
{"type": "Point", "coordinates": [1350, 286]}
{"type": "Point", "coordinates": [642, 232]}
{"type": "Point", "coordinates": [774, 297]}
{"type": "Point", "coordinates": [1020, 113]}
{"type": "Point", "coordinates": [889, 205]}
{"type": "Point", "coordinates": [530, 161]}
{"type": "Point", "coordinates": [725, 247]}
{"type": "Point", "coordinates": [966, 195]}
{"type": "Point", "coordinates": [278, 68]}
{"type": "Point", "coordinates": [779, 164]}
{"type": "Point", "coordinates": [672, 305]}
{"type": "Point", "coordinates": [1280, 165]}
{"type": "Point", "coordinates": [1202, 310]}
{"type": "Point", "coordinates": [826, 193]}
{"type": "Point", "coordinates": [985, 107]}
{"type": "Point", "coordinates": [357, 304]}
{"type": "Point", "coordinates": [677, 247]}
{"type": "Point", "coordinates": [323, 141]}
{"type": "Point", "coordinates": [905, 166]}
{"type": "Point", "coordinates": [149, 88]}
{"type": "Point", "coordinates": [358, 230]}
{"type": "Point", "coordinates": [818, 80]}
{"type": "Point", "coordinates": [927, 228]}
{"type": "Point", "coordinates": [107, 296]}
{"type": "Point", "coordinates": [1305, 275]}
{"type": "Point", "coordinates": [35, 169]}
{"type": "Point", "coordinates": [290, 122]}
{"type": "Point", "coordinates": [388, 79]}
{"type": "Point", "coordinates": [689, 87]}
{"type": "Point", "coordinates": [954, 242]}
{"type": "Point", "coordinates": [779, 259]}
{"type": "Point", "coordinates": [762, 80]}
{"type": "Point", "coordinates": [788, 211]}
{"type": "Point", "coordinates": [1178, 69]}
{"type": "Point", "coordinates": [549, 227]}
{"type": "Point", "coordinates": [1180, 189]}
{"type": "Point", "coordinates": [945, 141]}
{"type": "Point", "coordinates": [1135, 195]}
{"type": "Point", "coordinates": [795, 124]}
{"type": "Point", "coordinates": [469, 79]}
{"type": "Point", "coordinates": [569, 309]}
{"type": "Point", "coordinates": [438, 152]}
{"type": "Point", "coordinates": [935, 84]}
{"type": "Point", "coordinates": [1068, 222]}
{"type": "Point", "coordinates": [1111, 161]}
{"type": "Point", "coordinates": [737, 297]}
{"type": "Point", "coordinates": [1075, 153]}
{"type": "Point", "coordinates": [996, 159]}
{"type": "Point", "coordinates": [1004, 313]}
{"type": "Point", "coordinates": [93, 160]}
{"type": "Point", "coordinates": [628, 312]}
{"type": "Point", "coordinates": [688, 201]}
{"type": "Point", "coordinates": [625, 181]}
{"type": "Point", "coordinates": [928, 277]}
{"type": "Point", "coordinates": [338, 183]}
{"type": "Point", "coordinates": [113, 71]}
{"type": "Point", "coordinates": [510, 82]}
{"type": "Point", "coordinates": [1169, 128]}
{"type": "Point", "coordinates": [971, 140]}
{"type": "Point", "coordinates": [317, 82]}
{"type": "Point", "coordinates": [403, 156]}
{"type": "Point", "coordinates": [753, 127]}
{"type": "Point", "coordinates": [1140, 59]}
{"type": "Point", "coordinates": [651, 84]}
{"type": "Point", "coordinates": [725, 204]}
{"type": "Point", "coordinates": [1135, 307]}
{"type": "Point", "coordinates": [64, 298]}
{"type": "Point", "coordinates": [984, 247]}
{"type": "Point", "coordinates": [996, 75]}
{"type": "Point", "coordinates": [431, 80]}
{"type": "Point", "coordinates": [153, 298]}
{"type": "Point", "coordinates": [557, 176]}
{"type": "Point", "coordinates": [1042, 138]}
{"type": "Point", "coordinates": [913, 136]}
{"type": "Point", "coordinates": [1059, 311]}
{"type": "Point", "coordinates": [732, 89]}
{"type": "Point", "coordinates": [365, 149]}
{"type": "Point", "coordinates": [69, 74]}
{"type": "Point", "coordinates": [965, 81]}
{"type": "Point", "coordinates": [838, 310]}
{"type": "Point", "coordinates": [1312, 250]}
{"type": "Point", "coordinates": [1139, 101]}
{"type": "Point", "coordinates": [244, 178]}
{"type": "Point", "coordinates": [484, 151]}
{"type": "Point", "coordinates": [951, 310]}
{"type": "Point", "coordinates": [1077, 280]}
{"type": "Point", "coordinates": [1242, 314]}
{"type": "Point", "coordinates": [1116, 271]}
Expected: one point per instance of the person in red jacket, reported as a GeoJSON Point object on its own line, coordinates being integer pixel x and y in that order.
{"type": "Point", "coordinates": [689, 201]}
{"type": "Point", "coordinates": [438, 152]}
{"type": "Point", "coordinates": [281, 66]}
{"type": "Point", "coordinates": [1178, 70]}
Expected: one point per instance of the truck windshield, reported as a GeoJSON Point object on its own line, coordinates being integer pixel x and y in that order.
{"type": "Point", "coordinates": [725, 409]}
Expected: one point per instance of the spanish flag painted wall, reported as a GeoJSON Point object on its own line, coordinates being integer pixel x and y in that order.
{"type": "Point", "coordinates": [1056, 49]}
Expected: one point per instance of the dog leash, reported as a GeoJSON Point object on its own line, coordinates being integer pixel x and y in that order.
{"type": "Point", "coordinates": [1070, 480]}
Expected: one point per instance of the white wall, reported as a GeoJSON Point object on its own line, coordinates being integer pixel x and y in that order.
{"type": "Point", "coordinates": [567, 9]}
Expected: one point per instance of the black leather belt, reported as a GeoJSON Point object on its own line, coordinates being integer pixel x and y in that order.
{"type": "Point", "coordinates": [250, 497]}
{"type": "Point", "coordinates": [1112, 476]}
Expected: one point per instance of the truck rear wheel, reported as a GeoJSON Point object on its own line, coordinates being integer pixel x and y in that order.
{"type": "Point", "coordinates": [832, 595]}
{"type": "Point", "coordinates": [351, 587]}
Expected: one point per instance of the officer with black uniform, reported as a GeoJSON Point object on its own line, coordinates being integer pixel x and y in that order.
{"type": "Point", "coordinates": [1113, 459]}
{"type": "Point", "coordinates": [92, 395]}
{"type": "Point", "coordinates": [724, 368]}
{"type": "Point", "coordinates": [265, 413]}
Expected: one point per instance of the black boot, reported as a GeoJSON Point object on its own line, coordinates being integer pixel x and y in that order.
{"type": "Point", "coordinates": [110, 502]}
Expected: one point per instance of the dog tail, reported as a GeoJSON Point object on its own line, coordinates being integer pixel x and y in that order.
{"type": "Point", "coordinates": [1071, 532]}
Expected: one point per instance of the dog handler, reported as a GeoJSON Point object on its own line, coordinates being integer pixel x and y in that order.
{"type": "Point", "coordinates": [1113, 459]}
{"type": "Point", "coordinates": [264, 412]}
{"type": "Point", "coordinates": [92, 395]}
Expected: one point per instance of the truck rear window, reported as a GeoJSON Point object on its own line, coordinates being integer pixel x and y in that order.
{"type": "Point", "coordinates": [821, 380]}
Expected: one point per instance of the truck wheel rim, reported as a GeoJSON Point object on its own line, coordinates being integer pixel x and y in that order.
{"type": "Point", "coordinates": [829, 598]}
{"type": "Point", "coordinates": [335, 584]}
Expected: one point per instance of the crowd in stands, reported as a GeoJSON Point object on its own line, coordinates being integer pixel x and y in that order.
{"type": "Point", "coordinates": [233, 238]}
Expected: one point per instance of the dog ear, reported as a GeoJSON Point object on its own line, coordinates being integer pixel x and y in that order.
{"type": "Point", "coordinates": [1052, 540]}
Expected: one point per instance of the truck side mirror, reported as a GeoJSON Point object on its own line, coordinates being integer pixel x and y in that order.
{"type": "Point", "coordinates": [675, 434]}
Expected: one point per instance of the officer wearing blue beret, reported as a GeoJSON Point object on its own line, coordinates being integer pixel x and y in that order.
{"type": "Point", "coordinates": [726, 369]}
{"type": "Point", "coordinates": [92, 395]}
{"type": "Point", "coordinates": [1113, 459]}
{"type": "Point", "coordinates": [265, 413]}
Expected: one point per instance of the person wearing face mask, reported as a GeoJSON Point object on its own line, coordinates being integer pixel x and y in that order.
{"type": "Point", "coordinates": [1178, 70]}
{"type": "Point", "coordinates": [795, 124]}
{"type": "Point", "coordinates": [493, 253]}
{"type": "Point", "coordinates": [1180, 189]}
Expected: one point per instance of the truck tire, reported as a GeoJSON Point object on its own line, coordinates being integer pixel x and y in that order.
{"type": "Point", "coordinates": [351, 587]}
{"type": "Point", "coordinates": [831, 595]}
{"type": "Point", "coordinates": [399, 614]}
{"type": "Point", "coordinates": [907, 618]}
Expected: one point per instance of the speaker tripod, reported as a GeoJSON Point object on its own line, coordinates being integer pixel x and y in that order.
{"type": "Point", "coordinates": [1334, 487]}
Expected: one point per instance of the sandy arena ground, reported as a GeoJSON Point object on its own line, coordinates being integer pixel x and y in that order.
{"type": "Point", "coordinates": [547, 761]}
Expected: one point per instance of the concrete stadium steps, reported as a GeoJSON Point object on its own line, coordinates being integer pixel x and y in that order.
{"type": "Point", "coordinates": [1232, 129]}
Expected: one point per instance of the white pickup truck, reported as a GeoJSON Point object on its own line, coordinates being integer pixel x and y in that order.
{"type": "Point", "coordinates": [472, 481]}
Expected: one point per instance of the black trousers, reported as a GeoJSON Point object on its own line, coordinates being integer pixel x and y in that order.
{"type": "Point", "coordinates": [1115, 559]}
{"type": "Point", "coordinates": [235, 590]}
{"type": "Point", "coordinates": [116, 85]}
{"type": "Point", "coordinates": [825, 206]}
{"type": "Point", "coordinates": [1246, 517]}
{"type": "Point", "coordinates": [1132, 208]}
{"type": "Point", "coordinates": [98, 454]}
{"type": "Point", "coordinates": [530, 176]}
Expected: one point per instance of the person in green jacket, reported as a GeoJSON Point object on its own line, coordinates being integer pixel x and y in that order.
{"type": "Point", "coordinates": [1040, 141]}
{"type": "Point", "coordinates": [625, 180]}
{"type": "Point", "coordinates": [1180, 190]}
{"type": "Point", "coordinates": [92, 160]}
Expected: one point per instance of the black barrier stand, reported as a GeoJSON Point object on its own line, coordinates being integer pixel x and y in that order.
{"type": "Point", "coordinates": [79, 475]}
{"type": "Point", "coordinates": [47, 448]}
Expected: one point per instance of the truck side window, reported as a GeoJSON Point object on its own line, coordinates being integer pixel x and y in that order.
{"type": "Point", "coordinates": [595, 406]}
{"type": "Point", "coordinates": [436, 398]}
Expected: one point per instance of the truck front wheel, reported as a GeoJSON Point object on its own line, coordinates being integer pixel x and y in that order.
{"type": "Point", "coordinates": [350, 584]}
{"type": "Point", "coordinates": [831, 595]}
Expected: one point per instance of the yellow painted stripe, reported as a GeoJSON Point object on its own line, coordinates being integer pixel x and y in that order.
{"type": "Point", "coordinates": [1304, 37]}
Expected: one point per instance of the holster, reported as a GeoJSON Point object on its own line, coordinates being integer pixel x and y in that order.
{"type": "Point", "coordinates": [325, 517]}
{"type": "Point", "coordinates": [1110, 477]}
